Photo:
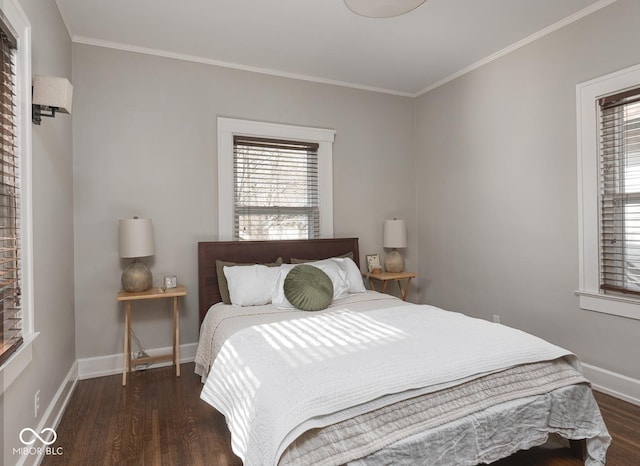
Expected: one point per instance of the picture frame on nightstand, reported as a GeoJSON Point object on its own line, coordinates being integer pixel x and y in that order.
{"type": "Point", "coordinates": [170, 281]}
{"type": "Point", "coordinates": [373, 263]}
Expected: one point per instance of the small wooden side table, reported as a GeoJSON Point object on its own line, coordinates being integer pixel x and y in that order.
{"type": "Point", "coordinates": [386, 277]}
{"type": "Point", "coordinates": [153, 293]}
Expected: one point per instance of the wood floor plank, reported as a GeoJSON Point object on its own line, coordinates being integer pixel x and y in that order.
{"type": "Point", "coordinates": [159, 419]}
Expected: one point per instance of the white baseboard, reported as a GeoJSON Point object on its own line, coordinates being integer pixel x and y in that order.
{"type": "Point", "coordinates": [100, 366]}
{"type": "Point", "coordinates": [51, 418]}
{"type": "Point", "coordinates": [612, 383]}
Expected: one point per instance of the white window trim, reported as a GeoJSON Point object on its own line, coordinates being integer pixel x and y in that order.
{"type": "Point", "coordinates": [13, 367]}
{"type": "Point", "coordinates": [587, 93]}
{"type": "Point", "coordinates": [228, 127]}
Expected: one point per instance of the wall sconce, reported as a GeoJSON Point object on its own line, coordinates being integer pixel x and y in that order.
{"type": "Point", "coordinates": [50, 95]}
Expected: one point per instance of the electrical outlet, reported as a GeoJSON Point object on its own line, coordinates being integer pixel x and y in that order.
{"type": "Point", "coordinates": [496, 318]}
{"type": "Point", "coordinates": [36, 404]}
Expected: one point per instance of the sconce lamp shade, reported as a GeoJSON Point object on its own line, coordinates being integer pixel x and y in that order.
{"type": "Point", "coordinates": [50, 95]}
{"type": "Point", "coordinates": [136, 240]}
{"type": "Point", "coordinates": [50, 91]}
{"type": "Point", "coordinates": [395, 234]}
{"type": "Point", "coordinates": [136, 237]}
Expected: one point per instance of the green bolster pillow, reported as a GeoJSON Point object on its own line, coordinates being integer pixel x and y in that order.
{"type": "Point", "coordinates": [308, 288]}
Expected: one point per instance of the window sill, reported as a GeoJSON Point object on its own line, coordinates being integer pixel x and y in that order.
{"type": "Point", "coordinates": [17, 363]}
{"type": "Point", "coordinates": [609, 304]}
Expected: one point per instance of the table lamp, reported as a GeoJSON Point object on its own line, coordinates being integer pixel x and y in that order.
{"type": "Point", "coordinates": [395, 236]}
{"type": "Point", "coordinates": [136, 240]}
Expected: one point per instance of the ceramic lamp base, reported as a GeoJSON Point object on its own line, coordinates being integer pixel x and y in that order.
{"type": "Point", "coordinates": [394, 262]}
{"type": "Point", "coordinates": [136, 278]}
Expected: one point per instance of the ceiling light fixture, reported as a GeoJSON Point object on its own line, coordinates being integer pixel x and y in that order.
{"type": "Point", "coordinates": [382, 8]}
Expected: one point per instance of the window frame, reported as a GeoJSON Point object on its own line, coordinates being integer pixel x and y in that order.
{"type": "Point", "coordinates": [587, 110]}
{"type": "Point", "coordinates": [230, 127]}
{"type": "Point", "coordinates": [16, 17]}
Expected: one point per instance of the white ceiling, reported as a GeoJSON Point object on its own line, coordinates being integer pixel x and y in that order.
{"type": "Point", "coordinates": [322, 40]}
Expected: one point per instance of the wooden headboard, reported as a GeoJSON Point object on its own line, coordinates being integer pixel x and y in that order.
{"type": "Point", "coordinates": [261, 252]}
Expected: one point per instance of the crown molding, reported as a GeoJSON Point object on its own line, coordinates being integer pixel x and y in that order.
{"type": "Point", "coordinates": [278, 73]}
{"type": "Point", "coordinates": [517, 45]}
{"type": "Point", "coordinates": [236, 66]}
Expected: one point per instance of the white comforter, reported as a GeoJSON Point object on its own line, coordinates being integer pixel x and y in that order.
{"type": "Point", "coordinates": [329, 364]}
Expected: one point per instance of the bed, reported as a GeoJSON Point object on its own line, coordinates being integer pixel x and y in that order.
{"type": "Point", "coordinates": [373, 380]}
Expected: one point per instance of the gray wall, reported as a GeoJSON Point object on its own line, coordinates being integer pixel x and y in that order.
{"type": "Point", "coordinates": [54, 350]}
{"type": "Point", "coordinates": [145, 144]}
{"type": "Point", "coordinates": [497, 188]}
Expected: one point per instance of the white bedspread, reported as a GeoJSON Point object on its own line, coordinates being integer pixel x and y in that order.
{"type": "Point", "coordinates": [329, 364]}
{"type": "Point", "coordinates": [224, 320]}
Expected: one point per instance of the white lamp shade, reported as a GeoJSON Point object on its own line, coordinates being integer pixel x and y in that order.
{"type": "Point", "coordinates": [382, 8]}
{"type": "Point", "coordinates": [50, 91]}
{"type": "Point", "coordinates": [136, 237]}
{"type": "Point", "coordinates": [395, 234]}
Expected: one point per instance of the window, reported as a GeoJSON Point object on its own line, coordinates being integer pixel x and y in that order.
{"type": "Point", "coordinates": [16, 24]}
{"type": "Point", "coordinates": [274, 181]}
{"type": "Point", "coordinates": [10, 304]}
{"type": "Point", "coordinates": [608, 110]}
{"type": "Point", "coordinates": [275, 189]}
{"type": "Point", "coordinates": [620, 192]}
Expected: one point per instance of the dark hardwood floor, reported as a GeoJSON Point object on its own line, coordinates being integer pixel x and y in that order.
{"type": "Point", "coordinates": [158, 419]}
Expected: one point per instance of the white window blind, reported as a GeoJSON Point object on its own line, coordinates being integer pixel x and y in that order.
{"type": "Point", "coordinates": [620, 192]}
{"type": "Point", "coordinates": [276, 189]}
{"type": "Point", "coordinates": [10, 306]}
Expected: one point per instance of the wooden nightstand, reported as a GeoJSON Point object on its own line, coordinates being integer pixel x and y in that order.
{"type": "Point", "coordinates": [153, 293]}
{"type": "Point", "coordinates": [386, 277]}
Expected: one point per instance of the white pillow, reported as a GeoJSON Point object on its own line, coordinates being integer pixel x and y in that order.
{"type": "Point", "coordinates": [350, 270]}
{"type": "Point", "coordinates": [356, 284]}
{"type": "Point", "coordinates": [250, 285]}
{"type": "Point", "coordinates": [332, 269]}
